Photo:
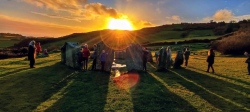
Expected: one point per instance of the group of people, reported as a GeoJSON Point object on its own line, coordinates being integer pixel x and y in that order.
{"type": "Point", "coordinates": [34, 50]}
{"type": "Point", "coordinates": [183, 57]}
{"type": "Point", "coordinates": [83, 56]}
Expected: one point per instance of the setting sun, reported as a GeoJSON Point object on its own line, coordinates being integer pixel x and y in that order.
{"type": "Point", "coordinates": [119, 24]}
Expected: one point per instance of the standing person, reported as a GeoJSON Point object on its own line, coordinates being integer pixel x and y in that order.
{"type": "Point", "coordinates": [32, 53]}
{"type": "Point", "coordinates": [248, 62]}
{"type": "Point", "coordinates": [210, 60]}
{"type": "Point", "coordinates": [85, 55]}
{"type": "Point", "coordinates": [145, 58]}
{"type": "Point", "coordinates": [169, 58]}
{"type": "Point", "coordinates": [94, 56]}
{"type": "Point", "coordinates": [79, 59]}
{"type": "Point", "coordinates": [38, 48]}
{"type": "Point", "coordinates": [103, 58]}
{"type": "Point", "coordinates": [186, 56]}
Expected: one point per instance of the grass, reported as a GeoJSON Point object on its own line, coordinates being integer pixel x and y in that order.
{"type": "Point", "coordinates": [8, 43]}
{"type": "Point", "coordinates": [52, 86]}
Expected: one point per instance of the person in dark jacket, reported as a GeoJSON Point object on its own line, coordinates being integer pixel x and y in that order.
{"type": "Point", "coordinates": [94, 56]}
{"type": "Point", "coordinates": [248, 62]}
{"type": "Point", "coordinates": [145, 58]}
{"type": "Point", "coordinates": [186, 56]}
{"type": "Point", "coordinates": [79, 59]}
{"type": "Point", "coordinates": [103, 58]}
{"type": "Point", "coordinates": [85, 55]}
{"type": "Point", "coordinates": [210, 60]}
{"type": "Point", "coordinates": [32, 53]}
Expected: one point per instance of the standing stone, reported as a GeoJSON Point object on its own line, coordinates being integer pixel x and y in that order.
{"type": "Point", "coordinates": [134, 55]}
{"type": "Point", "coordinates": [162, 59]}
{"type": "Point", "coordinates": [110, 58]}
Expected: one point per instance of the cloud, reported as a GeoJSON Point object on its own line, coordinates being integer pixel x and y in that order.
{"type": "Point", "coordinates": [225, 15]}
{"type": "Point", "coordinates": [173, 19]}
{"type": "Point", "coordinates": [100, 9]}
{"type": "Point", "coordinates": [79, 8]}
{"type": "Point", "coordinates": [57, 16]}
{"type": "Point", "coordinates": [146, 23]}
{"type": "Point", "coordinates": [35, 28]}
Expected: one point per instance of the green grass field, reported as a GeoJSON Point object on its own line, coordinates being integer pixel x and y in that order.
{"type": "Point", "coordinates": [7, 43]}
{"type": "Point", "coordinates": [52, 87]}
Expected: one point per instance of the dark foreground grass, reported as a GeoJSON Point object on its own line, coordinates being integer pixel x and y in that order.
{"type": "Point", "coordinates": [52, 87]}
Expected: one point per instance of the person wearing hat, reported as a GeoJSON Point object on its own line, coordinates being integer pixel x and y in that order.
{"type": "Point", "coordinates": [210, 59]}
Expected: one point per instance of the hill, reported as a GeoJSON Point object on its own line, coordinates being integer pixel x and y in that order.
{"type": "Point", "coordinates": [236, 43]}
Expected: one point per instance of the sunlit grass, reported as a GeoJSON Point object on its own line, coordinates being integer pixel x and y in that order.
{"type": "Point", "coordinates": [52, 86]}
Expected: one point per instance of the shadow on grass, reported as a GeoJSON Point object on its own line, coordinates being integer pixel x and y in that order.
{"type": "Point", "coordinates": [221, 94]}
{"type": "Point", "coordinates": [223, 76]}
{"type": "Point", "coordinates": [26, 90]}
{"type": "Point", "coordinates": [18, 70]}
{"type": "Point", "coordinates": [151, 95]}
{"type": "Point", "coordinates": [88, 92]}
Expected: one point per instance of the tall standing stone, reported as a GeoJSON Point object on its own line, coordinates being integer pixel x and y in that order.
{"type": "Point", "coordinates": [110, 58]}
{"type": "Point", "coordinates": [162, 59]}
{"type": "Point", "coordinates": [134, 55]}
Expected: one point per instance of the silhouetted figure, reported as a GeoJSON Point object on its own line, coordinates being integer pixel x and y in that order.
{"type": "Point", "coordinates": [79, 59]}
{"type": "Point", "coordinates": [32, 53]}
{"type": "Point", "coordinates": [38, 48]}
{"type": "Point", "coordinates": [145, 58]}
{"type": "Point", "coordinates": [210, 60]}
{"type": "Point", "coordinates": [85, 55]}
{"type": "Point", "coordinates": [94, 56]}
{"type": "Point", "coordinates": [248, 62]}
{"type": "Point", "coordinates": [103, 58]}
{"type": "Point", "coordinates": [169, 57]}
{"type": "Point", "coordinates": [186, 56]}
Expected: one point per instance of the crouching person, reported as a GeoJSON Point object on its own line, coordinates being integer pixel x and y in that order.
{"type": "Point", "coordinates": [178, 60]}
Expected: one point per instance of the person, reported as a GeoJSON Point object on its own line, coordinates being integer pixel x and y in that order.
{"type": "Point", "coordinates": [178, 59]}
{"type": "Point", "coordinates": [248, 62]}
{"type": "Point", "coordinates": [38, 48]}
{"type": "Point", "coordinates": [45, 52]}
{"type": "Point", "coordinates": [32, 53]}
{"type": "Point", "coordinates": [210, 59]}
{"type": "Point", "coordinates": [145, 58]}
{"type": "Point", "coordinates": [186, 56]}
{"type": "Point", "coordinates": [94, 56]}
{"type": "Point", "coordinates": [156, 56]}
{"type": "Point", "coordinates": [103, 58]}
{"type": "Point", "coordinates": [79, 58]}
{"type": "Point", "coordinates": [169, 59]}
{"type": "Point", "coordinates": [85, 55]}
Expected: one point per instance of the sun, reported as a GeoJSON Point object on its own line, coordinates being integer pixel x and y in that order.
{"type": "Point", "coordinates": [119, 24]}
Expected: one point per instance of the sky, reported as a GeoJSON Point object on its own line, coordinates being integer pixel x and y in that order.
{"type": "Point", "coordinates": [57, 18]}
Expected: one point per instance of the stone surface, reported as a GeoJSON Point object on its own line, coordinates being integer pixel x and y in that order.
{"type": "Point", "coordinates": [162, 59]}
{"type": "Point", "coordinates": [134, 55]}
{"type": "Point", "coordinates": [110, 58]}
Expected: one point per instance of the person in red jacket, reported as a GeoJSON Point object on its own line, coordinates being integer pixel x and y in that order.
{"type": "Point", "coordinates": [38, 48]}
{"type": "Point", "coordinates": [85, 55]}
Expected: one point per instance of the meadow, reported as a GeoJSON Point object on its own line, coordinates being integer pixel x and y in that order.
{"type": "Point", "coordinates": [52, 86]}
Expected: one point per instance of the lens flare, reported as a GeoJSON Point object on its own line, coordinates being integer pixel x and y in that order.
{"type": "Point", "coordinates": [119, 24]}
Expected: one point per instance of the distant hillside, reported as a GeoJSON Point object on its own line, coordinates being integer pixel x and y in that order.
{"type": "Point", "coordinates": [236, 43]}
{"type": "Point", "coordinates": [159, 34]}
